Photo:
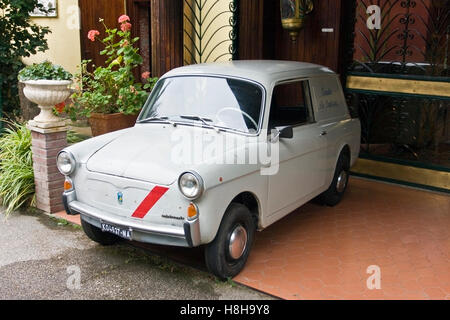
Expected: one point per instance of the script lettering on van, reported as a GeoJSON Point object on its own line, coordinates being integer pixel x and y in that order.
{"type": "Point", "coordinates": [327, 105]}
{"type": "Point", "coordinates": [326, 100]}
{"type": "Point", "coordinates": [326, 92]}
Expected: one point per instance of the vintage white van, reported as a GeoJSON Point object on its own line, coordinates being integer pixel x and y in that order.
{"type": "Point", "coordinates": [219, 151]}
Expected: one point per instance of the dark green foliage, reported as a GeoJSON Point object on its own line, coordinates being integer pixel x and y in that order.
{"type": "Point", "coordinates": [45, 71]}
{"type": "Point", "coordinates": [19, 37]}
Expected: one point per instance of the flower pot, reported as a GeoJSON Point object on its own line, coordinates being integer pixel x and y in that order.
{"type": "Point", "coordinates": [46, 94]}
{"type": "Point", "coordinates": [103, 123]}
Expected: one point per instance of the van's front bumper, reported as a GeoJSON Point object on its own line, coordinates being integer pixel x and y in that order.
{"type": "Point", "coordinates": [188, 236]}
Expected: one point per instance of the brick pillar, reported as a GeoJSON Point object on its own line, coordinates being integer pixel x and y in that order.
{"type": "Point", "coordinates": [46, 144]}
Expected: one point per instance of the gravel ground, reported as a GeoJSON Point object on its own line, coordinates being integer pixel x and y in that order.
{"type": "Point", "coordinates": [43, 258]}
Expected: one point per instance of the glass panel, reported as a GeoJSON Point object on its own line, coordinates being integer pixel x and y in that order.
{"type": "Point", "coordinates": [290, 105]}
{"type": "Point", "coordinates": [287, 9]}
{"type": "Point", "coordinates": [413, 38]}
{"type": "Point", "coordinates": [405, 128]}
{"type": "Point", "coordinates": [227, 103]}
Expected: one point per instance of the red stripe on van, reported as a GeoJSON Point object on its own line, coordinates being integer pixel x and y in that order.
{"type": "Point", "coordinates": [150, 200]}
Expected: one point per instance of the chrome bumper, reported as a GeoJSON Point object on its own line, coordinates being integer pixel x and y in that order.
{"type": "Point", "coordinates": [188, 236]}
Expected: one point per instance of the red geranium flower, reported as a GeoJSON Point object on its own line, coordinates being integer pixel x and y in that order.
{"type": "Point", "coordinates": [124, 18]}
{"type": "Point", "coordinates": [92, 34]}
{"type": "Point", "coordinates": [146, 75]}
{"type": "Point", "coordinates": [125, 27]}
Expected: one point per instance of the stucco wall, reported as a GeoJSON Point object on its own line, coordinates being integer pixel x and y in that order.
{"type": "Point", "coordinates": [64, 41]}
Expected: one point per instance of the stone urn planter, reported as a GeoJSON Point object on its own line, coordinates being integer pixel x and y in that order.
{"type": "Point", "coordinates": [46, 94]}
{"type": "Point", "coordinates": [104, 123]}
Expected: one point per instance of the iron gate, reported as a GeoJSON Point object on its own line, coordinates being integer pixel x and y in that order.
{"type": "Point", "coordinates": [398, 82]}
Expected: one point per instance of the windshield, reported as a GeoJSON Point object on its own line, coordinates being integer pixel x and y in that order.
{"type": "Point", "coordinates": [218, 102]}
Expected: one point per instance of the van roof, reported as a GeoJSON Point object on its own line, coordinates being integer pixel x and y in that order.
{"type": "Point", "coordinates": [257, 70]}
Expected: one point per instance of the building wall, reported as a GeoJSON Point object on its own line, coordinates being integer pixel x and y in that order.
{"type": "Point", "coordinates": [64, 41]}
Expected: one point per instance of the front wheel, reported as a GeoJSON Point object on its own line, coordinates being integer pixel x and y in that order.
{"type": "Point", "coordinates": [226, 256]}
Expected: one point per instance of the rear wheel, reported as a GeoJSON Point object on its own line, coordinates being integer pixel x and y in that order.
{"type": "Point", "coordinates": [338, 186]}
{"type": "Point", "coordinates": [97, 235]}
{"type": "Point", "coordinates": [226, 256]}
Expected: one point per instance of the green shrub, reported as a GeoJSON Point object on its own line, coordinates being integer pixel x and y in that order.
{"type": "Point", "coordinates": [44, 71]}
{"type": "Point", "coordinates": [17, 187]}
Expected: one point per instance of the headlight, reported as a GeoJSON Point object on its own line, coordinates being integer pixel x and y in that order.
{"type": "Point", "coordinates": [66, 163]}
{"type": "Point", "coordinates": [191, 185]}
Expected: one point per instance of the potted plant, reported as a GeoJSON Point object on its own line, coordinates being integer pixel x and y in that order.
{"type": "Point", "coordinates": [109, 96]}
{"type": "Point", "coordinates": [46, 85]}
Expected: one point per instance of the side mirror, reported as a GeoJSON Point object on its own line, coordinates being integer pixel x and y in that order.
{"type": "Point", "coordinates": [286, 132]}
{"type": "Point", "coordinates": [282, 133]}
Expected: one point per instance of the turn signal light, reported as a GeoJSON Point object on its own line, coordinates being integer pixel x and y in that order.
{"type": "Point", "coordinates": [192, 211]}
{"type": "Point", "coordinates": [68, 185]}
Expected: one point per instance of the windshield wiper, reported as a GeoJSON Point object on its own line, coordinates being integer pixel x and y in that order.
{"type": "Point", "coordinates": [203, 120]}
{"type": "Point", "coordinates": [158, 119]}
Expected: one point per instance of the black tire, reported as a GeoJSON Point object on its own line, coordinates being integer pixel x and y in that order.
{"type": "Point", "coordinates": [217, 254]}
{"type": "Point", "coordinates": [97, 235]}
{"type": "Point", "coordinates": [334, 195]}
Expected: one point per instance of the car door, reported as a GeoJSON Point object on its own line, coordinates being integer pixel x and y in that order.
{"type": "Point", "coordinates": [301, 174]}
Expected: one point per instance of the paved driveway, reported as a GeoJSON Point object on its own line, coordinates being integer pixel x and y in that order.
{"type": "Point", "coordinates": [398, 235]}
{"type": "Point", "coordinates": [41, 258]}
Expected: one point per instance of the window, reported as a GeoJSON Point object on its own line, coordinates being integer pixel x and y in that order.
{"type": "Point", "coordinates": [226, 103]}
{"type": "Point", "coordinates": [291, 105]}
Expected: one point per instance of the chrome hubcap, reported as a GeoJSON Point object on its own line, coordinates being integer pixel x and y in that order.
{"type": "Point", "coordinates": [341, 182]}
{"type": "Point", "coordinates": [238, 242]}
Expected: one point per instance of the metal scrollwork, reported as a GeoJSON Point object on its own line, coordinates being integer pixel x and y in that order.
{"type": "Point", "coordinates": [413, 44]}
{"type": "Point", "coordinates": [210, 30]}
{"type": "Point", "coordinates": [413, 39]}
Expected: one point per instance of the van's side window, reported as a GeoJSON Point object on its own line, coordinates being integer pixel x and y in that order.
{"type": "Point", "coordinates": [291, 105]}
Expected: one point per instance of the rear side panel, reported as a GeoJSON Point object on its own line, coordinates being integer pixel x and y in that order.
{"type": "Point", "coordinates": [332, 114]}
{"type": "Point", "coordinates": [329, 105]}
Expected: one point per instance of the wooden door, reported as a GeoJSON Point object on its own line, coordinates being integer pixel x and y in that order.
{"type": "Point", "coordinates": [159, 25]}
{"type": "Point", "coordinates": [139, 12]}
{"type": "Point", "coordinates": [166, 35]}
{"type": "Point", "coordinates": [261, 35]}
{"type": "Point", "coordinates": [91, 12]}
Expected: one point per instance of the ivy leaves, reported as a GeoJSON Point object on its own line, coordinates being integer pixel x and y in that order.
{"type": "Point", "coordinates": [44, 71]}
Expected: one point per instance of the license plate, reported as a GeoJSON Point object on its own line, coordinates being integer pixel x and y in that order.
{"type": "Point", "coordinates": [120, 232]}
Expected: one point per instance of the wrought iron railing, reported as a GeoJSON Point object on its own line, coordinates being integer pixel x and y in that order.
{"type": "Point", "coordinates": [413, 38]}
{"type": "Point", "coordinates": [210, 30]}
{"type": "Point", "coordinates": [399, 81]}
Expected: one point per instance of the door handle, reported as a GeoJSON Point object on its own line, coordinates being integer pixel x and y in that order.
{"type": "Point", "coordinates": [324, 133]}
